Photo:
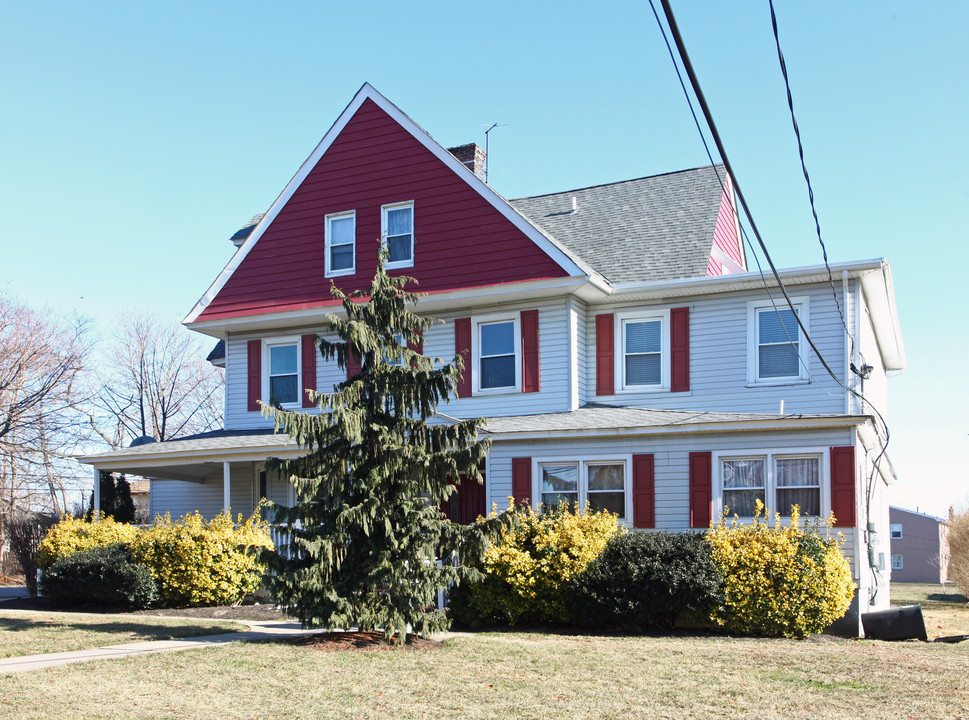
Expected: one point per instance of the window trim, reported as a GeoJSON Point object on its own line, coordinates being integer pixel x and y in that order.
{"type": "Point", "coordinates": [476, 323]}
{"type": "Point", "coordinates": [413, 235]}
{"type": "Point", "coordinates": [267, 345]}
{"type": "Point", "coordinates": [901, 561]}
{"type": "Point", "coordinates": [352, 214]}
{"type": "Point", "coordinates": [754, 308]}
{"type": "Point", "coordinates": [649, 315]}
{"type": "Point", "coordinates": [770, 456]}
{"type": "Point", "coordinates": [583, 462]}
{"type": "Point", "coordinates": [891, 531]}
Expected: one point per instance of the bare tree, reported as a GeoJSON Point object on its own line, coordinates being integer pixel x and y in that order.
{"type": "Point", "coordinates": [154, 381]}
{"type": "Point", "coordinates": [42, 356]}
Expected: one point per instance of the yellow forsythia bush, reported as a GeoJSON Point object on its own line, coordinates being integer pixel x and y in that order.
{"type": "Point", "coordinates": [528, 569]}
{"type": "Point", "coordinates": [199, 562]}
{"type": "Point", "coordinates": [72, 535]}
{"type": "Point", "coordinates": [779, 580]}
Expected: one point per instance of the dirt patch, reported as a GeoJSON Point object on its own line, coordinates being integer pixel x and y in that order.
{"type": "Point", "coordinates": [360, 640]}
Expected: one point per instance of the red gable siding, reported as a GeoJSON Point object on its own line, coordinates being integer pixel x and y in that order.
{"type": "Point", "coordinates": [725, 237]}
{"type": "Point", "coordinates": [460, 239]}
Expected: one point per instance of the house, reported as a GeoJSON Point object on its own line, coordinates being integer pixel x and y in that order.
{"type": "Point", "coordinates": [625, 353]}
{"type": "Point", "coordinates": [920, 546]}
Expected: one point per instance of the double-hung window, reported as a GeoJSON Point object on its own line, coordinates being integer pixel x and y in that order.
{"type": "Point", "coordinates": [896, 531]}
{"type": "Point", "coordinates": [777, 351]}
{"type": "Point", "coordinates": [898, 562]}
{"type": "Point", "coordinates": [497, 354]}
{"type": "Point", "coordinates": [599, 483]}
{"type": "Point", "coordinates": [643, 360]}
{"type": "Point", "coordinates": [398, 232]}
{"type": "Point", "coordinates": [341, 233]}
{"type": "Point", "coordinates": [282, 378]}
{"type": "Point", "coordinates": [778, 479]}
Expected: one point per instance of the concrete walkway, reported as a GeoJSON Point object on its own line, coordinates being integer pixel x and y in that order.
{"type": "Point", "coordinates": [258, 630]}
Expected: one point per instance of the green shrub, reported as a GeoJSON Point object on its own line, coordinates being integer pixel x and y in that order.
{"type": "Point", "coordinates": [99, 576]}
{"type": "Point", "coordinates": [780, 579]}
{"type": "Point", "coordinates": [526, 572]}
{"type": "Point", "coordinates": [199, 562]}
{"type": "Point", "coordinates": [72, 535]}
{"type": "Point", "coordinates": [645, 580]}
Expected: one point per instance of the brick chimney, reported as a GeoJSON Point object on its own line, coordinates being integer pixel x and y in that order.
{"type": "Point", "coordinates": [471, 156]}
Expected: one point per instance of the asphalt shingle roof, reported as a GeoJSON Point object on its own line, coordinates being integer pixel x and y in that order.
{"type": "Point", "coordinates": [653, 228]}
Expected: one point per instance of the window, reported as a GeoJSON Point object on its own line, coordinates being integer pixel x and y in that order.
{"type": "Point", "coordinates": [779, 479]}
{"type": "Point", "coordinates": [599, 483]}
{"type": "Point", "coordinates": [644, 348]}
{"type": "Point", "coordinates": [281, 384]}
{"type": "Point", "coordinates": [896, 531]}
{"type": "Point", "coordinates": [397, 229]}
{"type": "Point", "coordinates": [897, 562]}
{"type": "Point", "coordinates": [341, 233]}
{"type": "Point", "coordinates": [777, 351]}
{"type": "Point", "coordinates": [497, 361]}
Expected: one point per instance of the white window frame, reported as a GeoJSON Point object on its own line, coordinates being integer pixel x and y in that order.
{"type": "Point", "coordinates": [330, 272]}
{"type": "Point", "coordinates": [267, 346]}
{"type": "Point", "coordinates": [621, 319]}
{"type": "Point", "coordinates": [754, 308]}
{"type": "Point", "coordinates": [901, 561]}
{"type": "Point", "coordinates": [893, 529]}
{"type": "Point", "coordinates": [770, 455]}
{"type": "Point", "coordinates": [413, 235]}
{"type": "Point", "coordinates": [583, 462]}
{"type": "Point", "coordinates": [476, 324]}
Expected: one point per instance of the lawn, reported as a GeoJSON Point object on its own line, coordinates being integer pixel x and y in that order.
{"type": "Point", "coordinates": [944, 610]}
{"type": "Point", "coordinates": [31, 633]}
{"type": "Point", "coordinates": [522, 674]}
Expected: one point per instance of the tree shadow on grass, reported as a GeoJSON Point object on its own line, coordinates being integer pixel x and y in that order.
{"type": "Point", "coordinates": [143, 631]}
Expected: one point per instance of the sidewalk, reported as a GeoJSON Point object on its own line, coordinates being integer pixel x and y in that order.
{"type": "Point", "coordinates": [258, 630]}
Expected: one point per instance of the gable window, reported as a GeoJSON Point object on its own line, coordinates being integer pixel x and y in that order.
{"type": "Point", "coordinates": [897, 562]}
{"type": "Point", "coordinates": [779, 480]}
{"type": "Point", "coordinates": [497, 361]}
{"type": "Point", "coordinates": [600, 484]}
{"type": "Point", "coordinates": [777, 351]}
{"type": "Point", "coordinates": [643, 360]}
{"type": "Point", "coordinates": [282, 377]}
{"type": "Point", "coordinates": [398, 232]}
{"type": "Point", "coordinates": [896, 531]}
{"type": "Point", "coordinates": [341, 233]}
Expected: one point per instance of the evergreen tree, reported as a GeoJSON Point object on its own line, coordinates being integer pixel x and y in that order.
{"type": "Point", "coordinates": [115, 498]}
{"type": "Point", "coordinates": [367, 527]}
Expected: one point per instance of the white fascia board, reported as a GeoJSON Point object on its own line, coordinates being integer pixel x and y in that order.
{"type": "Point", "coordinates": [786, 425]}
{"type": "Point", "coordinates": [177, 456]}
{"type": "Point", "coordinates": [880, 296]}
{"type": "Point", "coordinates": [430, 303]}
{"type": "Point", "coordinates": [570, 265]}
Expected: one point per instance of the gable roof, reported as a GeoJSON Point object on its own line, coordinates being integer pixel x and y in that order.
{"type": "Point", "coordinates": [652, 228]}
{"type": "Point", "coordinates": [553, 254]}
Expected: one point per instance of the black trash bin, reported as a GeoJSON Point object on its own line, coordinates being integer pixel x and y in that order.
{"type": "Point", "coordinates": [901, 623]}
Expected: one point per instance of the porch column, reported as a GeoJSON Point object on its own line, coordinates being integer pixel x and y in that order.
{"type": "Point", "coordinates": [225, 485]}
{"type": "Point", "coordinates": [96, 497]}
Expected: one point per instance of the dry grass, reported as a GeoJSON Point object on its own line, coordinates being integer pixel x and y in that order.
{"type": "Point", "coordinates": [515, 675]}
{"type": "Point", "coordinates": [31, 633]}
{"type": "Point", "coordinates": [944, 608]}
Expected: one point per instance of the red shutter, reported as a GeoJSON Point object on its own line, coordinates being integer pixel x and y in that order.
{"type": "Point", "coordinates": [417, 346]}
{"type": "Point", "coordinates": [353, 364]}
{"type": "Point", "coordinates": [679, 349]}
{"type": "Point", "coordinates": [530, 371]}
{"type": "Point", "coordinates": [254, 359]}
{"type": "Point", "coordinates": [309, 368]}
{"type": "Point", "coordinates": [521, 480]}
{"type": "Point", "coordinates": [605, 363]}
{"type": "Point", "coordinates": [462, 347]}
{"type": "Point", "coordinates": [701, 489]}
{"type": "Point", "coordinates": [644, 492]}
{"type": "Point", "coordinates": [843, 486]}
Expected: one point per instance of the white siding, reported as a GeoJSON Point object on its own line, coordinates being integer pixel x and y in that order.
{"type": "Point", "coordinates": [181, 497]}
{"type": "Point", "coordinates": [718, 358]}
{"type": "Point", "coordinates": [670, 457]}
{"type": "Point", "coordinates": [553, 345]}
{"type": "Point", "coordinates": [580, 319]}
{"type": "Point", "coordinates": [875, 388]}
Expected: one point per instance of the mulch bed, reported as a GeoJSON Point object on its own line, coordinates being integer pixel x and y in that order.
{"type": "Point", "coordinates": [360, 640]}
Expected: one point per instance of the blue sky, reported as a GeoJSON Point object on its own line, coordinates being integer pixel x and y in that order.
{"type": "Point", "coordinates": [135, 138]}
